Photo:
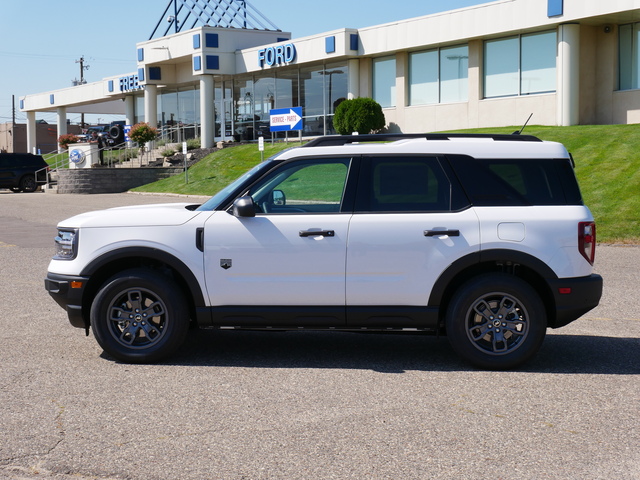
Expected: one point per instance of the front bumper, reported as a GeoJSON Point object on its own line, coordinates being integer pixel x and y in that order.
{"type": "Point", "coordinates": [574, 297]}
{"type": "Point", "coordinates": [67, 291]}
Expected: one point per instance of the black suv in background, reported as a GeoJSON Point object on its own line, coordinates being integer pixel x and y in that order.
{"type": "Point", "coordinates": [18, 171]}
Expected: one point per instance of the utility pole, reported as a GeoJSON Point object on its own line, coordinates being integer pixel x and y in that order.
{"type": "Point", "coordinates": [13, 123]}
{"type": "Point", "coordinates": [83, 67]}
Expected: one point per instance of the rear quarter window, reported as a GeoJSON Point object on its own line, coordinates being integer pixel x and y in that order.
{"type": "Point", "coordinates": [517, 182]}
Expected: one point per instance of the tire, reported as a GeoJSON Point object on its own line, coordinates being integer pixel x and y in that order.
{"type": "Point", "coordinates": [496, 321]}
{"type": "Point", "coordinates": [28, 183]}
{"type": "Point", "coordinates": [140, 316]}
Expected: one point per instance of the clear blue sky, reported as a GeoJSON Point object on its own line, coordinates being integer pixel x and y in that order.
{"type": "Point", "coordinates": [40, 40]}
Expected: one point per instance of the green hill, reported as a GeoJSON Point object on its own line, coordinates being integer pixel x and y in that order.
{"type": "Point", "coordinates": [607, 166]}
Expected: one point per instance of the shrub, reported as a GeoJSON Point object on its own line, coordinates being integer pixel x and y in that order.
{"type": "Point", "coordinates": [193, 143]}
{"type": "Point", "coordinates": [142, 133]}
{"type": "Point", "coordinates": [65, 140]}
{"type": "Point", "coordinates": [167, 152]}
{"type": "Point", "coordinates": [362, 115]}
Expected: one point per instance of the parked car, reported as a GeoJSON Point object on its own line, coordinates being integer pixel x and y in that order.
{"type": "Point", "coordinates": [482, 237]}
{"type": "Point", "coordinates": [18, 171]}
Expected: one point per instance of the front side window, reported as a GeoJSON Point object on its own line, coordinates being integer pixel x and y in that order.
{"type": "Point", "coordinates": [308, 186]}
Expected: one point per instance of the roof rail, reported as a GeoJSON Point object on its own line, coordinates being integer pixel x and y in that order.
{"type": "Point", "coordinates": [337, 140]}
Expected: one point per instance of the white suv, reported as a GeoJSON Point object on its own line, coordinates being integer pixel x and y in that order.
{"type": "Point", "coordinates": [484, 237]}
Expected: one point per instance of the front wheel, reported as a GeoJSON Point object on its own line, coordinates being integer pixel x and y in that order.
{"type": "Point", "coordinates": [139, 316]}
{"type": "Point", "coordinates": [496, 321]}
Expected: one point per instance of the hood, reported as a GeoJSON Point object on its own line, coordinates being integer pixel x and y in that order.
{"type": "Point", "coordinates": [166, 214]}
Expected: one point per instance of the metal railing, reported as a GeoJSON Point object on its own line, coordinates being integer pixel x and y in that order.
{"type": "Point", "coordinates": [124, 155]}
{"type": "Point", "coordinates": [178, 133]}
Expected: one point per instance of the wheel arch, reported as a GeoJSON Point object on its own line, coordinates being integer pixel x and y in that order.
{"type": "Point", "coordinates": [102, 268]}
{"type": "Point", "coordinates": [520, 264]}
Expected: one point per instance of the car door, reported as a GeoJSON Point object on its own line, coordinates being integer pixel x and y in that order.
{"type": "Point", "coordinates": [410, 223]}
{"type": "Point", "coordinates": [292, 253]}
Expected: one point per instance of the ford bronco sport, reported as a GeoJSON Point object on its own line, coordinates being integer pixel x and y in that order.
{"type": "Point", "coordinates": [482, 237]}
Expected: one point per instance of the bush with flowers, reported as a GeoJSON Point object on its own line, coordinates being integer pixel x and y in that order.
{"type": "Point", "coordinates": [65, 140]}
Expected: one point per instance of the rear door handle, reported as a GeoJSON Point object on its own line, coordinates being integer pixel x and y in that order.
{"type": "Point", "coordinates": [317, 233]}
{"type": "Point", "coordinates": [442, 233]}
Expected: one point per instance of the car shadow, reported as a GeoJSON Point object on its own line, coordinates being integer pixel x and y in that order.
{"type": "Point", "coordinates": [394, 353]}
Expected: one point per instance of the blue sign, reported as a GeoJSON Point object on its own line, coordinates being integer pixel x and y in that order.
{"type": "Point", "coordinates": [278, 55]}
{"type": "Point", "coordinates": [286, 119]}
{"type": "Point", "coordinates": [76, 156]}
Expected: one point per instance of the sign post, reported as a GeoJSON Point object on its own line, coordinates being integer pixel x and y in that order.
{"type": "Point", "coordinates": [186, 170]}
{"type": "Point", "coordinates": [261, 147]}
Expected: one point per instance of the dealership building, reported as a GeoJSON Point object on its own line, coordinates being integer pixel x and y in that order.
{"type": "Point", "coordinates": [220, 67]}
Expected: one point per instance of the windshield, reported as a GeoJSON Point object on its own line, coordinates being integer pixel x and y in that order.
{"type": "Point", "coordinates": [214, 202]}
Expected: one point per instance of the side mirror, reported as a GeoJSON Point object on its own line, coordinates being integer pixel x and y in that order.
{"type": "Point", "coordinates": [243, 207]}
{"type": "Point", "coordinates": [278, 198]}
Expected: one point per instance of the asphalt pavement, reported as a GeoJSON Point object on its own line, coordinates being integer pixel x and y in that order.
{"type": "Point", "coordinates": [304, 405]}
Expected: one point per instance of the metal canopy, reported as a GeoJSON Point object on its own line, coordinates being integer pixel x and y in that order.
{"type": "Point", "coordinates": [186, 14]}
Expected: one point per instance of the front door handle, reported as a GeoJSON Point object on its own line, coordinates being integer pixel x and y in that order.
{"type": "Point", "coordinates": [442, 233]}
{"type": "Point", "coordinates": [317, 233]}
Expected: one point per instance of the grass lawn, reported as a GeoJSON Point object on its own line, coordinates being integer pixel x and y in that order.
{"type": "Point", "coordinates": [607, 166]}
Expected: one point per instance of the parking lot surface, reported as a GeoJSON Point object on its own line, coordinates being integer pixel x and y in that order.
{"type": "Point", "coordinates": [305, 405]}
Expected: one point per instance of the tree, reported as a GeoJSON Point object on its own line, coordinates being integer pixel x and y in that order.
{"type": "Point", "coordinates": [362, 115]}
{"type": "Point", "coordinates": [141, 133]}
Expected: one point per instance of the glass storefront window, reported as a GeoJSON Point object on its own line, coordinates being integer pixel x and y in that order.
{"type": "Point", "coordinates": [454, 74]}
{"type": "Point", "coordinates": [424, 79]}
{"type": "Point", "coordinates": [629, 53]}
{"type": "Point", "coordinates": [520, 65]}
{"type": "Point", "coordinates": [243, 100]}
{"type": "Point", "coordinates": [384, 81]}
{"type": "Point", "coordinates": [538, 63]}
{"type": "Point", "coordinates": [501, 67]}
{"type": "Point", "coordinates": [439, 76]}
{"type": "Point", "coordinates": [318, 90]}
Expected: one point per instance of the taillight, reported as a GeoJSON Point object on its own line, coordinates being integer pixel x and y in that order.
{"type": "Point", "coordinates": [587, 240]}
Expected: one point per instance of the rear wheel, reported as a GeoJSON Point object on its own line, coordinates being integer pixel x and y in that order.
{"type": "Point", "coordinates": [140, 316]}
{"type": "Point", "coordinates": [496, 321]}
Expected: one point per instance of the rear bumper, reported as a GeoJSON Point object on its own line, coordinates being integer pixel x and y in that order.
{"type": "Point", "coordinates": [67, 291]}
{"type": "Point", "coordinates": [574, 297]}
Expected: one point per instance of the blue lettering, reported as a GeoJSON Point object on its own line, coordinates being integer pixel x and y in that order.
{"type": "Point", "coordinates": [270, 56]}
{"type": "Point", "coordinates": [129, 83]}
{"type": "Point", "coordinates": [289, 53]}
{"type": "Point", "coordinates": [278, 55]}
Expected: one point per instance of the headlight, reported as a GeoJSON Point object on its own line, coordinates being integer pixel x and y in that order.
{"type": "Point", "coordinates": [66, 244]}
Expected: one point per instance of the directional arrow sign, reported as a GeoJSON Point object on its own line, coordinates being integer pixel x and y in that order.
{"type": "Point", "coordinates": [286, 119]}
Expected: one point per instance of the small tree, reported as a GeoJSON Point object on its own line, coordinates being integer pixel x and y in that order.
{"type": "Point", "coordinates": [362, 115]}
{"type": "Point", "coordinates": [141, 133]}
{"type": "Point", "coordinates": [65, 140]}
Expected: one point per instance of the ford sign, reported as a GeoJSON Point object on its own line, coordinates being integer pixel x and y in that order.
{"type": "Point", "coordinates": [276, 56]}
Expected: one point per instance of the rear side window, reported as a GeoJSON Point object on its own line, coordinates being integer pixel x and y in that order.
{"type": "Point", "coordinates": [403, 184]}
{"type": "Point", "coordinates": [518, 182]}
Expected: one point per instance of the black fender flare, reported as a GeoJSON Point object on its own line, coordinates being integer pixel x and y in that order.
{"type": "Point", "coordinates": [195, 290]}
{"type": "Point", "coordinates": [475, 260]}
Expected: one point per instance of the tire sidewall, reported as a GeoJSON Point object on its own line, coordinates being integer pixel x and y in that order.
{"type": "Point", "coordinates": [162, 287]}
{"type": "Point", "coordinates": [469, 293]}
